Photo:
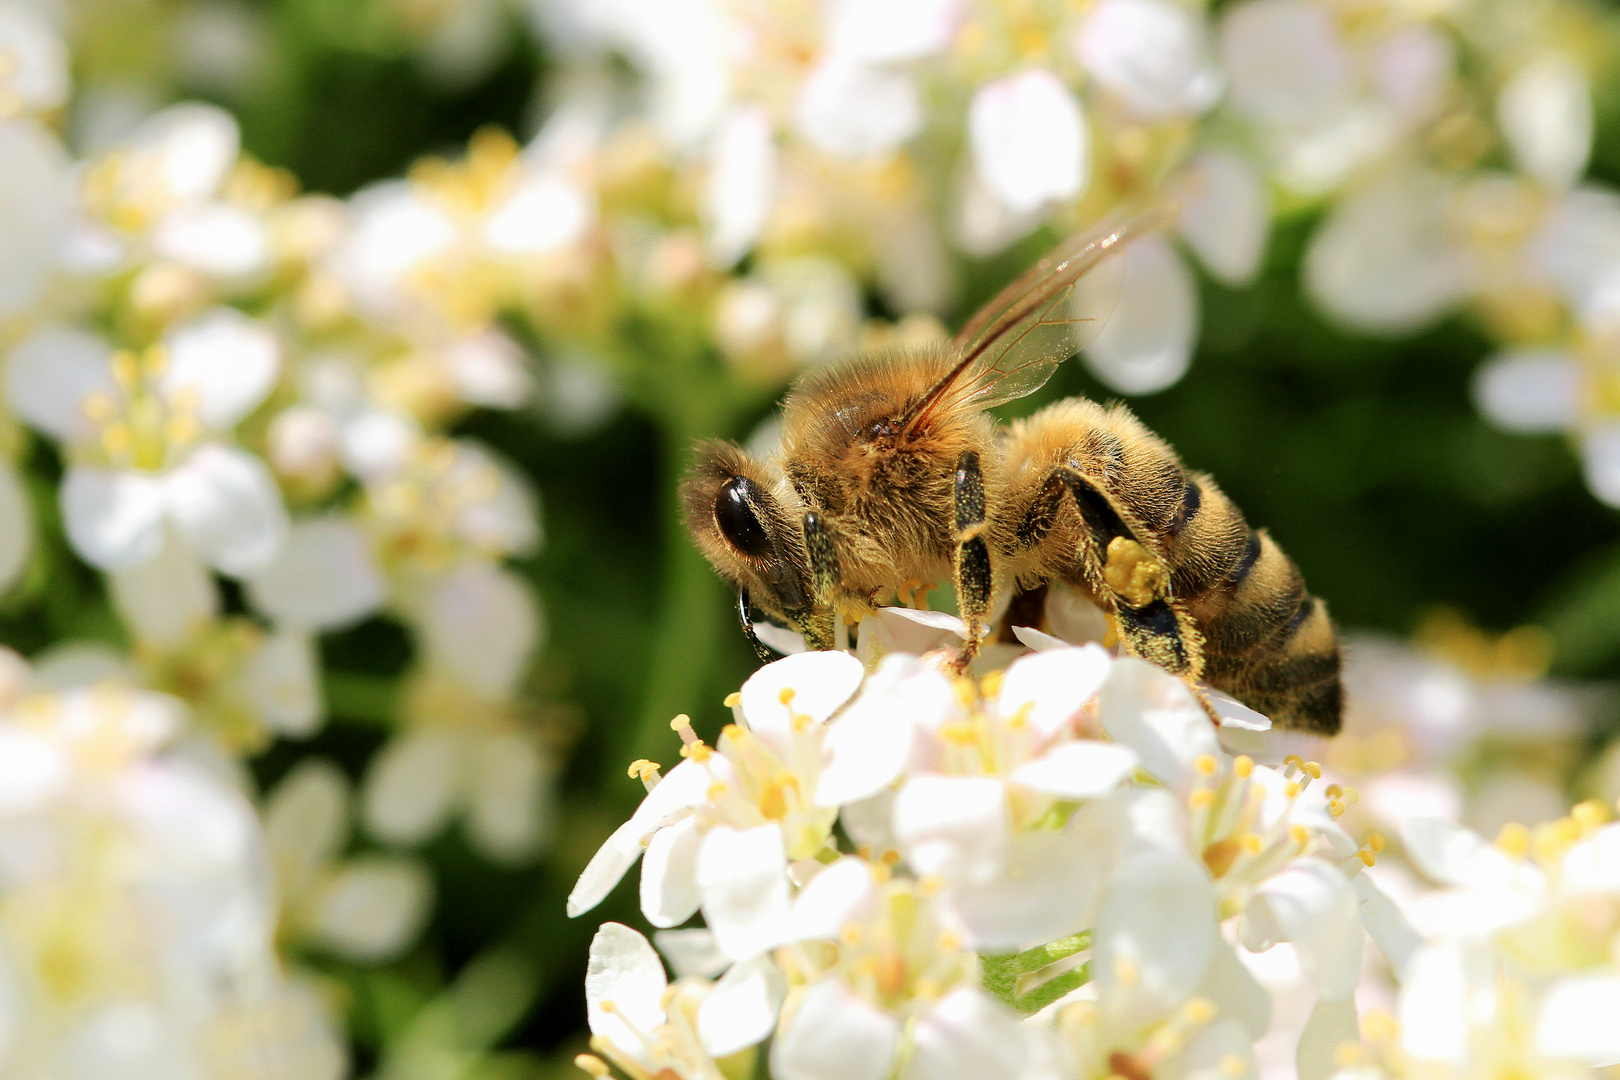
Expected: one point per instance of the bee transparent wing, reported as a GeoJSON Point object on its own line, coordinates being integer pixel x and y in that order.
{"type": "Point", "coordinates": [1053, 310]}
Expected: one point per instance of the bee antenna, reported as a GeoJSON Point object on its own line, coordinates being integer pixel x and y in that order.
{"type": "Point", "coordinates": [765, 653]}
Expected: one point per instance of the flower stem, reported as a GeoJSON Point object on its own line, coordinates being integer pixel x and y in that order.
{"type": "Point", "coordinates": [1003, 972]}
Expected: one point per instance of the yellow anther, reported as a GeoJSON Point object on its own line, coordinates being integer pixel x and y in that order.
{"type": "Point", "coordinates": [802, 722]}
{"type": "Point", "coordinates": [880, 872]}
{"type": "Point", "coordinates": [592, 1064]}
{"type": "Point", "coordinates": [640, 767]}
{"type": "Point", "coordinates": [962, 734]}
{"type": "Point", "coordinates": [890, 857]}
{"type": "Point", "coordinates": [1206, 764]}
{"type": "Point", "coordinates": [1020, 718]}
{"type": "Point", "coordinates": [1201, 798]}
{"type": "Point", "coordinates": [1379, 1026]}
{"type": "Point", "coordinates": [1313, 770]}
{"type": "Point", "coordinates": [1234, 1067]}
{"type": "Point", "coordinates": [1367, 857]}
{"type": "Point", "coordinates": [990, 685]}
{"type": "Point", "coordinates": [1292, 789]}
{"type": "Point", "coordinates": [966, 692]}
{"type": "Point", "coordinates": [1300, 835]}
{"type": "Point", "coordinates": [126, 369]}
{"type": "Point", "coordinates": [785, 694]}
{"type": "Point", "coordinates": [1375, 840]}
{"type": "Point", "coordinates": [1252, 843]}
{"type": "Point", "coordinates": [682, 723]}
{"type": "Point", "coordinates": [930, 884]}
{"type": "Point", "coordinates": [117, 439]}
{"type": "Point", "coordinates": [154, 361]}
{"type": "Point", "coordinates": [1334, 791]}
{"type": "Point", "coordinates": [1513, 840]}
{"type": "Point", "coordinates": [1199, 1010]}
{"type": "Point", "coordinates": [1589, 815]}
{"type": "Point", "coordinates": [607, 1006]}
{"type": "Point", "coordinates": [182, 429]}
{"type": "Point", "coordinates": [1243, 765]}
{"type": "Point", "coordinates": [1350, 796]}
{"type": "Point", "coordinates": [1296, 761]}
{"type": "Point", "coordinates": [697, 751]}
{"type": "Point", "coordinates": [1336, 807]}
{"type": "Point", "coordinates": [850, 934]}
{"type": "Point", "coordinates": [716, 791]}
{"type": "Point", "coordinates": [1347, 1054]}
{"type": "Point", "coordinates": [733, 699]}
{"type": "Point", "coordinates": [99, 407]}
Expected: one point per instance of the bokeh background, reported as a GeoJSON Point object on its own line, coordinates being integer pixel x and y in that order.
{"type": "Point", "coordinates": [1363, 447]}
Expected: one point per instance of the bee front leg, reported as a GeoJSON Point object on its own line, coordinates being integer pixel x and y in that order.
{"type": "Point", "coordinates": [817, 624]}
{"type": "Point", "coordinates": [973, 575]}
{"type": "Point", "coordinates": [1137, 582]}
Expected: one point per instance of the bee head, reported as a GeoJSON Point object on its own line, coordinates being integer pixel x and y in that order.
{"type": "Point", "coordinates": [740, 524]}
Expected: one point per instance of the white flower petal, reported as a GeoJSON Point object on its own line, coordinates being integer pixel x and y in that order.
{"type": "Point", "coordinates": [741, 1008]}
{"type": "Point", "coordinates": [34, 192]}
{"type": "Point", "coordinates": [1153, 54]}
{"type": "Point", "coordinates": [830, 1034]}
{"type": "Point", "coordinates": [816, 684]}
{"type": "Point", "coordinates": [1390, 930]}
{"type": "Point", "coordinates": [500, 512]}
{"type": "Point", "coordinates": [1156, 935]}
{"type": "Point", "coordinates": [283, 680]}
{"type": "Point", "coordinates": [546, 211]}
{"type": "Point", "coordinates": [1453, 855]}
{"type": "Point", "coordinates": [891, 30]}
{"type": "Point", "coordinates": [841, 894]}
{"type": "Point", "coordinates": [1545, 112]}
{"type": "Point", "coordinates": [37, 66]}
{"type": "Point", "coordinates": [1309, 903]}
{"type": "Point", "coordinates": [1029, 140]}
{"type": "Point", "coordinates": [165, 598]}
{"type": "Point", "coordinates": [114, 520]}
{"type": "Point", "coordinates": [906, 630]}
{"type": "Point", "coordinates": [1286, 61]}
{"type": "Point", "coordinates": [1411, 67]}
{"type": "Point", "coordinates": [323, 579]}
{"type": "Point", "coordinates": [953, 826]}
{"type": "Point", "coordinates": [1053, 686]}
{"type": "Point", "coordinates": [412, 785]}
{"type": "Point", "coordinates": [854, 110]}
{"type": "Point", "coordinates": [1225, 214]}
{"type": "Point", "coordinates": [1577, 1020]}
{"type": "Point", "coordinates": [1600, 461]}
{"type": "Point", "coordinates": [625, 973]}
{"type": "Point", "coordinates": [967, 1035]}
{"type": "Point", "coordinates": [1240, 995]}
{"type": "Point", "coordinates": [306, 822]}
{"type": "Point", "coordinates": [1154, 713]}
{"type": "Point", "coordinates": [190, 147]}
{"type": "Point", "coordinates": [16, 527]}
{"type": "Point", "coordinates": [669, 889]}
{"type": "Point", "coordinates": [490, 369]}
{"type": "Point", "coordinates": [1383, 261]}
{"type": "Point", "coordinates": [672, 797]}
{"type": "Point", "coordinates": [1083, 769]}
{"type": "Point", "coordinates": [1435, 1005]}
{"type": "Point", "coordinates": [374, 908]}
{"type": "Point", "coordinates": [481, 624]}
{"type": "Point", "coordinates": [742, 874]}
{"type": "Point", "coordinates": [50, 373]}
{"type": "Point", "coordinates": [1332, 1025]}
{"type": "Point", "coordinates": [509, 801]}
{"type": "Point", "coordinates": [692, 954]}
{"type": "Point", "coordinates": [214, 238]}
{"type": "Point", "coordinates": [871, 741]}
{"type": "Point", "coordinates": [741, 185]}
{"type": "Point", "coordinates": [226, 506]}
{"type": "Point", "coordinates": [222, 363]}
{"type": "Point", "coordinates": [1578, 247]}
{"type": "Point", "coordinates": [1147, 342]}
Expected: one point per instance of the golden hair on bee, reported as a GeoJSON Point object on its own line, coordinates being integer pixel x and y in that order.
{"type": "Point", "coordinates": [891, 472]}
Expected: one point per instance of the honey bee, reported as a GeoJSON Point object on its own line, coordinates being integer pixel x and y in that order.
{"type": "Point", "coordinates": [890, 471]}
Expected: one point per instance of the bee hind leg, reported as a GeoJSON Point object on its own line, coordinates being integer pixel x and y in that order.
{"type": "Point", "coordinates": [974, 580]}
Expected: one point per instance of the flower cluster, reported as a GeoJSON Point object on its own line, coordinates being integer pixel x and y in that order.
{"type": "Point", "coordinates": [895, 866]}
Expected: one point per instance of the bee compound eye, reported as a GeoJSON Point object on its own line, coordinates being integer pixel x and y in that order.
{"type": "Point", "coordinates": [734, 513]}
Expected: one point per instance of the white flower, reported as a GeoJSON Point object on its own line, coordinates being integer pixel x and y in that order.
{"type": "Point", "coordinates": [1545, 110]}
{"type": "Point", "coordinates": [1147, 342]}
{"type": "Point", "coordinates": [1153, 54]}
{"type": "Point", "coordinates": [35, 77]}
{"type": "Point", "coordinates": [1029, 140]}
{"type": "Point", "coordinates": [323, 579]}
{"type": "Point", "coordinates": [1529, 390]}
{"type": "Point", "coordinates": [855, 110]}
{"type": "Point", "coordinates": [147, 430]}
{"type": "Point", "coordinates": [1285, 60]}
{"type": "Point", "coordinates": [741, 185]}
{"type": "Point", "coordinates": [367, 908]}
{"type": "Point", "coordinates": [34, 183]}
{"type": "Point", "coordinates": [1225, 214]}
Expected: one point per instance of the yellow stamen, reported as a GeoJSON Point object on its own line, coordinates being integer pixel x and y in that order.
{"type": "Point", "coordinates": [785, 695]}
{"type": "Point", "coordinates": [1299, 835]}
{"type": "Point", "coordinates": [716, 791]}
{"type": "Point", "coordinates": [1206, 764]}
{"type": "Point", "coordinates": [733, 699]}
{"type": "Point", "coordinates": [990, 685]}
{"type": "Point", "coordinates": [1513, 840]}
{"type": "Point", "coordinates": [592, 1064]}
{"type": "Point", "coordinates": [1234, 1067]}
{"type": "Point", "coordinates": [1252, 843]}
{"type": "Point", "coordinates": [1243, 766]}
{"type": "Point", "coordinates": [1375, 840]}
{"type": "Point", "coordinates": [1201, 798]}
{"type": "Point", "coordinates": [1199, 1010]}
{"type": "Point", "coordinates": [1292, 789]}
{"type": "Point", "coordinates": [1367, 857]}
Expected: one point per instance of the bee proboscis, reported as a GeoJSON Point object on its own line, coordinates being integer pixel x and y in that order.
{"type": "Point", "coordinates": [891, 472]}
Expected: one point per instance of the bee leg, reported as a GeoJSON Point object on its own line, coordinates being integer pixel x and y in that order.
{"type": "Point", "coordinates": [1152, 625]}
{"type": "Point", "coordinates": [817, 624]}
{"type": "Point", "coordinates": [973, 577]}
{"type": "Point", "coordinates": [764, 652]}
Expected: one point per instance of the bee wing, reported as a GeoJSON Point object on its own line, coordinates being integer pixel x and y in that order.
{"type": "Point", "coordinates": [1053, 310]}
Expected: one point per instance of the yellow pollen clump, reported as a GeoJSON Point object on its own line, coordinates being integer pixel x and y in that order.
{"type": "Point", "coordinates": [925, 989]}
{"type": "Point", "coordinates": [960, 733]}
{"type": "Point", "coordinates": [1201, 798]}
{"type": "Point", "coordinates": [1375, 840]}
{"type": "Point", "coordinates": [1300, 835]}
{"type": "Point", "coordinates": [1020, 719]}
{"type": "Point", "coordinates": [640, 767]}
{"type": "Point", "coordinates": [1252, 843]}
{"type": "Point", "coordinates": [716, 791]}
{"type": "Point", "coordinates": [1336, 807]}
{"type": "Point", "coordinates": [1292, 789]}
{"type": "Point", "coordinates": [1199, 1010]}
{"type": "Point", "coordinates": [802, 723]}
{"type": "Point", "coordinates": [99, 407]}
{"type": "Point", "coordinates": [785, 695]}
{"type": "Point", "coordinates": [697, 751]}
{"type": "Point", "coordinates": [126, 369]}
{"type": "Point", "coordinates": [1295, 761]}
{"type": "Point", "coordinates": [890, 857]}
{"type": "Point", "coordinates": [592, 1064]}
{"type": "Point", "coordinates": [880, 872]}
{"type": "Point", "coordinates": [1234, 1067]}
{"type": "Point", "coordinates": [1334, 791]}
{"type": "Point", "coordinates": [966, 692]}
{"type": "Point", "coordinates": [1367, 857]}
{"type": "Point", "coordinates": [732, 700]}
{"type": "Point", "coordinates": [607, 1006]}
{"type": "Point", "coordinates": [733, 731]}
{"type": "Point", "coordinates": [1312, 769]}
{"type": "Point", "coordinates": [1513, 840]}
{"type": "Point", "coordinates": [1346, 1054]}
{"type": "Point", "coordinates": [1243, 766]}
{"type": "Point", "coordinates": [1206, 764]}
